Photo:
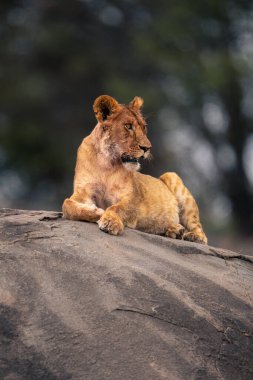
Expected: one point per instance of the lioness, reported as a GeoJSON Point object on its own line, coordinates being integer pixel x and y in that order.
{"type": "Point", "coordinates": [109, 190]}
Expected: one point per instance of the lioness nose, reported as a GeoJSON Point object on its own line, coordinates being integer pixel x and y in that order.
{"type": "Point", "coordinates": [145, 148]}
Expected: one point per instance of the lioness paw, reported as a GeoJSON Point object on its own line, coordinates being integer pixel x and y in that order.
{"type": "Point", "coordinates": [111, 223]}
{"type": "Point", "coordinates": [195, 237]}
{"type": "Point", "coordinates": [175, 231]}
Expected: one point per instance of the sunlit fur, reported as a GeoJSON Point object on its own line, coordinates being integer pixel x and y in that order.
{"type": "Point", "coordinates": [109, 190]}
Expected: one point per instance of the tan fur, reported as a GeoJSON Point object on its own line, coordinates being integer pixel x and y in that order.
{"type": "Point", "coordinates": [109, 190]}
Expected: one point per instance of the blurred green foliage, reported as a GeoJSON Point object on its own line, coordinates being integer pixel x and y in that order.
{"type": "Point", "coordinates": [192, 63]}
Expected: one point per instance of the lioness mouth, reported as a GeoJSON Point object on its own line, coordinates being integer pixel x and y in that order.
{"type": "Point", "coordinates": [127, 159]}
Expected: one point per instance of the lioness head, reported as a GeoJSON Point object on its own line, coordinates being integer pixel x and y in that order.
{"type": "Point", "coordinates": [123, 131]}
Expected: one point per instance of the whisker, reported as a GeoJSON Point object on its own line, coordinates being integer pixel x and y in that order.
{"type": "Point", "coordinates": [150, 157]}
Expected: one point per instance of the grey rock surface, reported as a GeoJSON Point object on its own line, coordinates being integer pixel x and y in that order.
{"type": "Point", "coordinates": [76, 303]}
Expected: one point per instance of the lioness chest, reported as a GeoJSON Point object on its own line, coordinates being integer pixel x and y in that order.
{"type": "Point", "coordinates": [109, 191]}
{"type": "Point", "coordinates": [104, 196]}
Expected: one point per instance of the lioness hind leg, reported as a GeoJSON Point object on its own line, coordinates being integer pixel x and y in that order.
{"type": "Point", "coordinates": [189, 212]}
{"type": "Point", "coordinates": [195, 237]}
{"type": "Point", "coordinates": [175, 231]}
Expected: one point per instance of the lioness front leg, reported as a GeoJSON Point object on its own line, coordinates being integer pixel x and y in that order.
{"type": "Point", "coordinates": [116, 217]}
{"type": "Point", "coordinates": [111, 222]}
{"type": "Point", "coordinates": [86, 211]}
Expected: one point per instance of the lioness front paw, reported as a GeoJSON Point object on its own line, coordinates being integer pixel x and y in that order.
{"type": "Point", "coordinates": [111, 223]}
{"type": "Point", "coordinates": [175, 231]}
{"type": "Point", "coordinates": [195, 237]}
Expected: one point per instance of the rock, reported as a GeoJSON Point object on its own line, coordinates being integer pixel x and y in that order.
{"type": "Point", "coordinates": [76, 303]}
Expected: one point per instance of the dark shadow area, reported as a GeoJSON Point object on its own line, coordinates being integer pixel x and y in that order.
{"type": "Point", "coordinates": [18, 360]}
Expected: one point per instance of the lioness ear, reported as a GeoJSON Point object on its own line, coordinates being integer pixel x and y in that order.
{"type": "Point", "coordinates": [104, 106]}
{"type": "Point", "coordinates": [137, 102]}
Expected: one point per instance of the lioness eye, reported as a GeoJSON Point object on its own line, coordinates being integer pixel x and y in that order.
{"type": "Point", "coordinates": [129, 126]}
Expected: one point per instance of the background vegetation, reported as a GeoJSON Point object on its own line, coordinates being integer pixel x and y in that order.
{"type": "Point", "coordinates": [191, 61]}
